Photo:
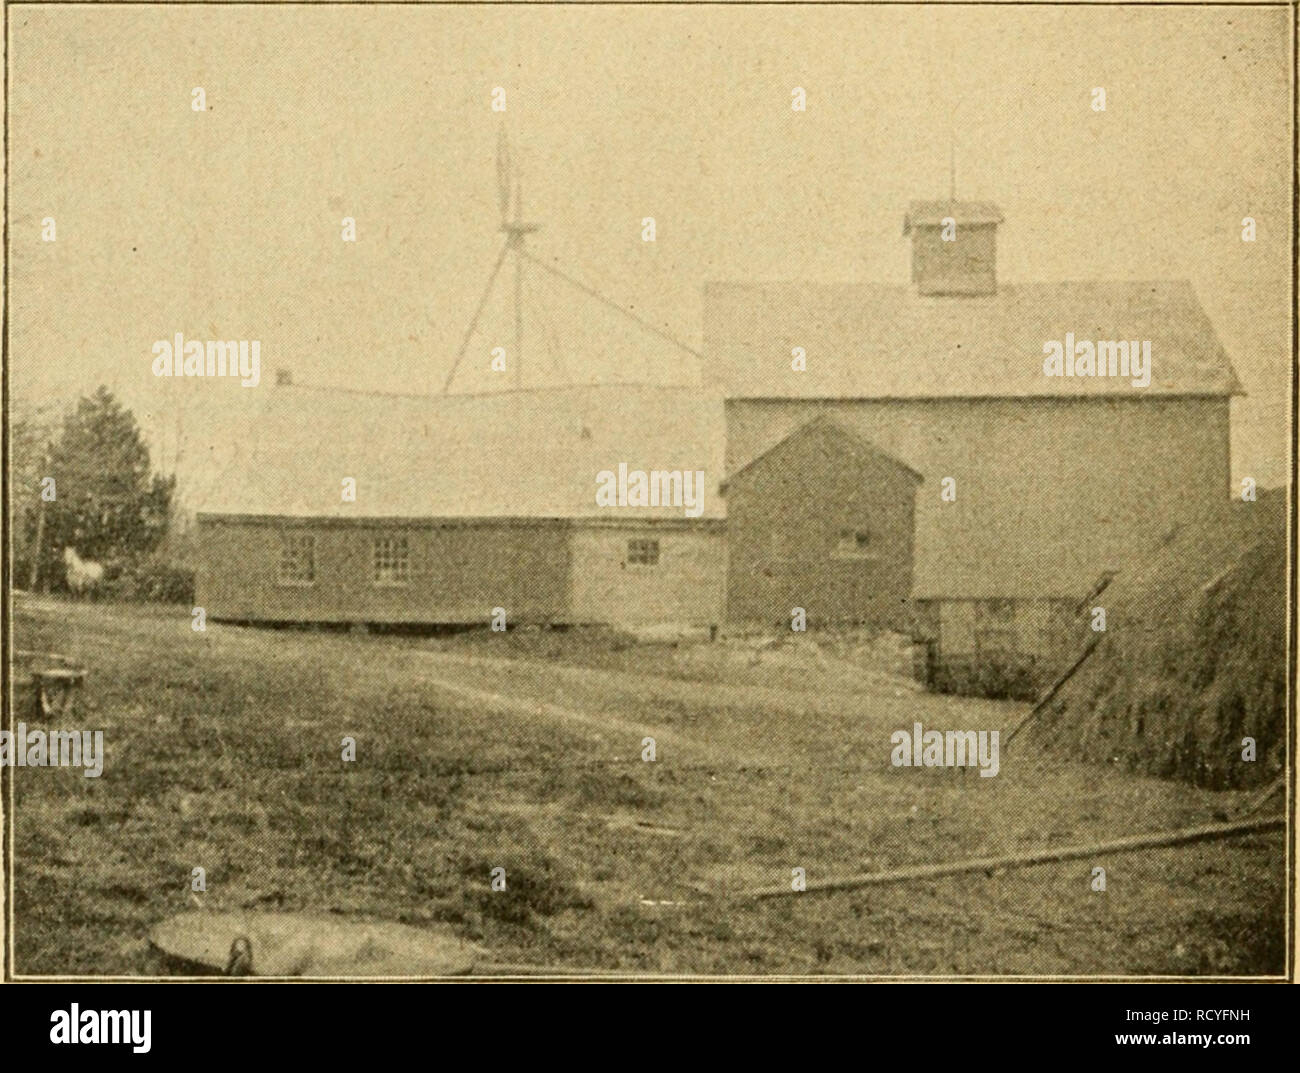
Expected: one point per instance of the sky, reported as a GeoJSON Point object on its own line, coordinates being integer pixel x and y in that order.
{"type": "Point", "coordinates": [225, 224]}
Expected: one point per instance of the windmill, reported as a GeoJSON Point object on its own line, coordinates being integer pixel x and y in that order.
{"type": "Point", "coordinates": [514, 228]}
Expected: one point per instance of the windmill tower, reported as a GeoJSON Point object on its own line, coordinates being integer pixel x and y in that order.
{"type": "Point", "coordinates": [515, 228]}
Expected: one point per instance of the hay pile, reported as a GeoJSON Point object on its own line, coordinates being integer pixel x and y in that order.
{"type": "Point", "coordinates": [1193, 658]}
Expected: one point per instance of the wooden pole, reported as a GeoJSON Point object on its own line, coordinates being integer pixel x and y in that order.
{"type": "Point", "coordinates": [1260, 799]}
{"type": "Point", "coordinates": [478, 312]}
{"type": "Point", "coordinates": [1052, 690]}
{"type": "Point", "coordinates": [518, 356]}
{"type": "Point", "coordinates": [1185, 836]}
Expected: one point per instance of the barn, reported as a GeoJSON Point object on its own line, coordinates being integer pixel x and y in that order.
{"type": "Point", "coordinates": [1054, 482]}
{"type": "Point", "coordinates": [895, 456]}
{"type": "Point", "coordinates": [349, 507]}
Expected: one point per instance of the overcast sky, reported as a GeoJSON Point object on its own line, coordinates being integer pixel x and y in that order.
{"type": "Point", "coordinates": [226, 224]}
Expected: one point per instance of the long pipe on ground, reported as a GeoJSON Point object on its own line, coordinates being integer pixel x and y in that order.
{"type": "Point", "coordinates": [1185, 836]}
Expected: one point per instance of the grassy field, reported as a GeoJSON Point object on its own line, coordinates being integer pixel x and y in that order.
{"type": "Point", "coordinates": [500, 750]}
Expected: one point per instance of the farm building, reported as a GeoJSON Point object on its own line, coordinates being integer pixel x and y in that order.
{"type": "Point", "coordinates": [921, 472]}
{"type": "Point", "coordinates": [462, 504]}
{"type": "Point", "coordinates": [1056, 480]}
{"type": "Point", "coordinates": [847, 562]}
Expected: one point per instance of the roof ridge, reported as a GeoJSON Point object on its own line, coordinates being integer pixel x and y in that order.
{"type": "Point", "coordinates": [439, 397]}
{"type": "Point", "coordinates": [828, 421]}
{"type": "Point", "coordinates": [882, 340]}
{"type": "Point", "coordinates": [340, 390]}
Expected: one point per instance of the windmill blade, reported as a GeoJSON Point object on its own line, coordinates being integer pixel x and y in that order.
{"type": "Point", "coordinates": [503, 174]}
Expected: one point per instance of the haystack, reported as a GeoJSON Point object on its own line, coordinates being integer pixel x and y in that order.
{"type": "Point", "coordinates": [1193, 659]}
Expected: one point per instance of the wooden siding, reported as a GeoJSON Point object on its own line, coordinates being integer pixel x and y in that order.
{"type": "Point", "coordinates": [685, 586]}
{"type": "Point", "coordinates": [1043, 629]}
{"type": "Point", "coordinates": [967, 265]}
{"type": "Point", "coordinates": [458, 571]}
{"type": "Point", "coordinates": [1013, 649]}
{"type": "Point", "coordinates": [540, 571]}
{"type": "Point", "coordinates": [785, 515]}
{"type": "Point", "coordinates": [1050, 492]}
{"type": "Point", "coordinates": [956, 627]}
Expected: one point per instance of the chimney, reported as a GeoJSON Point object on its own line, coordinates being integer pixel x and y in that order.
{"type": "Point", "coordinates": [954, 246]}
{"type": "Point", "coordinates": [283, 378]}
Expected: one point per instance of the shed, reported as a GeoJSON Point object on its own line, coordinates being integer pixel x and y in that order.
{"type": "Point", "coordinates": [822, 520]}
{"type": "Point", "coordinates": [352, 507]}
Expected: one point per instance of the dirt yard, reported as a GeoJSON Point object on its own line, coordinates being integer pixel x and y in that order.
{"type": "Point", "coordinates": [503, 750]}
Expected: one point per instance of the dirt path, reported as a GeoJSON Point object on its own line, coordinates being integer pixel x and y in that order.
{"type": "Point", "coordinates": [679, 714]}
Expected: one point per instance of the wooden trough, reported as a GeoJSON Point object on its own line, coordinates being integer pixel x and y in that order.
{"type": "Point", "coordinates": [324, 945]}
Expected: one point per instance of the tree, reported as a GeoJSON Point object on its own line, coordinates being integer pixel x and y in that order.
{"type": "Point", "coordinates": [108, 505]}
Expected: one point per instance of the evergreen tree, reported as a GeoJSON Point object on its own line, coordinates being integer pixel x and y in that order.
{"type": "Point", "coordinates": [109, 507]}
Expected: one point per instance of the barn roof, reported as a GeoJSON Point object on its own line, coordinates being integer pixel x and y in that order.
{"type": "Point", "coordinates": [846, 439]}
{"type": "Point", "coordinates": [882, 341]}
{"type": "Point", "coordinates": [509, 454]}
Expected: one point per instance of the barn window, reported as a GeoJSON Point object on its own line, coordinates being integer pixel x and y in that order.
{"type": "Point", "coordinates": [854, 544]}
{"type": "Point", "coordinates": [298, 559]}
{"type": "Point", "coordinates": [392, 561]}
{"type": "Point", "coordinates": [643, 552]}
